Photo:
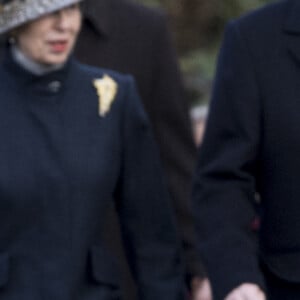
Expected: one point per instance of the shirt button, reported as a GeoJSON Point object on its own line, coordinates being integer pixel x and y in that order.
{"type": "Point", "coordinates": [54, 86]}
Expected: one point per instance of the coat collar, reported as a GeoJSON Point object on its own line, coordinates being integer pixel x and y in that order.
{"type": "Point", "coordinates": [42, 83]}
{"type": "Point", "coordinates": [292, 29]}
{"type": "Point", "coordinates": [100, 14]}
{"type": "Point", "coordinates": [292, 22]}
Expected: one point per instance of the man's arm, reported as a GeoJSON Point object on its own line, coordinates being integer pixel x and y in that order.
{"type": "Point", "coordinates": [228, 165]}
{"type": "Point", "coordinates": [172, 127]}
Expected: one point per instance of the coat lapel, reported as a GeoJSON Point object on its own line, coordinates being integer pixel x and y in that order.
{"type": "Point", "coordinates": [100, 14]}
{"type": "Point", "coordinates": [292, 29]}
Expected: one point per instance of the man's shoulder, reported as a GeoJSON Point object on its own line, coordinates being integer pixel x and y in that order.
{"type": "Point", "coordinates": [139, 21]}
{"type": "Point", "coordinates": [138, 11]}
{"type": "Point", "coordinates": [262, 29]}
{"type": "Point", "coordinates": [125, 18]}
{"type": "Point", "coordinates": [268, 18]}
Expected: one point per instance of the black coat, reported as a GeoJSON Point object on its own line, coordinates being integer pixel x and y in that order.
{"type": "Point", "coordinates": [252, 145]}
{"type": "Point", "coordinates": [131, 38]}
{"type": "Point", "coordinates": [62, 167]}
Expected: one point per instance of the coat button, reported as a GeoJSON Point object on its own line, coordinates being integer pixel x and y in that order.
{"type": "Point", "coordinates": [54, 86]}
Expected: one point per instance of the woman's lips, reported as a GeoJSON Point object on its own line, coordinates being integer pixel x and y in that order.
{"type": "Point", "coordinates": [58, 46]}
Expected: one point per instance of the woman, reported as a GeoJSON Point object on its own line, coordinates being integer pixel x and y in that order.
{"type": "Point", "coordinates": [75, 140]}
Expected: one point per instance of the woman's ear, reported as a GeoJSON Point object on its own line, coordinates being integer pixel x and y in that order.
{"type": "Point", "coordinates": [12, 38]}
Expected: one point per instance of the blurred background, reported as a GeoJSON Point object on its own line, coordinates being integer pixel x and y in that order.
{"type": "Point", "coordinates": [198, 26]}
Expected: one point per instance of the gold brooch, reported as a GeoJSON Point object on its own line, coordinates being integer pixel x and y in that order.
{"type": "Point", "coordinates": [106, 90]}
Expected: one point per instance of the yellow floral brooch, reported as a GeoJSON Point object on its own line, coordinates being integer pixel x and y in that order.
{"type": "Point", "coordinates": [106, 90]}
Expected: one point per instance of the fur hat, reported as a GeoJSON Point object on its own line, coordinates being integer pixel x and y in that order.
{"type": "Point", "coordinates": [14, 13]}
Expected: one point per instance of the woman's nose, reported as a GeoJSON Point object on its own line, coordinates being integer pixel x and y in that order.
{"type": "Point", "coordinates": [63, 21]}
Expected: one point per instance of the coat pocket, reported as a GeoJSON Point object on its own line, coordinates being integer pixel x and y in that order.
{"type": "Point", "coordinates": [4, 269]}
{"type": "Point", "coordinates": [104, 268]}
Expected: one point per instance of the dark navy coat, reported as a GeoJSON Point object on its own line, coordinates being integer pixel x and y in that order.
{"type": "Point", "coordinates": [62, 166]}
{"type": "Point", "coordinates": [252, 144]}
{"type": "Point", "coordinates": [128, 37]}
{"type": "Point", "coordinates": [131, 38]}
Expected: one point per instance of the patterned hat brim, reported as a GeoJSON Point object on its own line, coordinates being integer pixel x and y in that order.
{"type": "Point", "coordinates": [20, 12]}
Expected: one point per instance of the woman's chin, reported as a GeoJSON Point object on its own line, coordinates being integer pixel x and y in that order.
{"type": "Point", "coordinates": [55, 59]}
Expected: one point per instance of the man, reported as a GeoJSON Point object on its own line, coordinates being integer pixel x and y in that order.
{"type": "Point", "coordinates": [252, 145]}
{"type": "Point", "coordinates": [131, 38]}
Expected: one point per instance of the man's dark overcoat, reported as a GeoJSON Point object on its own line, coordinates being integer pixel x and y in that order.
{"type": "Point", "coordinates": [252, 144]}
{"type": "Point", "coordinates": [64, 161]}
{"type": "Point", "coordinates": [130, 38]}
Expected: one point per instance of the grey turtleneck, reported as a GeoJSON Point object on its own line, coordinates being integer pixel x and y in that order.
{"type": "Point", "coordinates": [30, 65]}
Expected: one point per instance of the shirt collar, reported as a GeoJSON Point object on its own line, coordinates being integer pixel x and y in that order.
{"type": "Point", "coordinates": [30, 65]}
{"type": "Point", "coordinates": [27, 78]}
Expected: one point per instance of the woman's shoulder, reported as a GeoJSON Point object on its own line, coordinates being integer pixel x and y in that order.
{"type": "Point", "coordinates": [111, 86]}
{"type": "Point", "coordinates": [94, 73]}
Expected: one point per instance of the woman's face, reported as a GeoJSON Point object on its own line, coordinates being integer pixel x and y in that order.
{"type": "Point", "coordinates": [50, 39]}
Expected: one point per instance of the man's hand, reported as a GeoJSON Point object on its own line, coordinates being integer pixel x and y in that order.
{"type": "Point", "coordinates": [200, 289]}
{"type": "Point", "coordinates": [246, 291]}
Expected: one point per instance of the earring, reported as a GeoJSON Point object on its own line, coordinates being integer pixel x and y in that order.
{"type": "Point", "coordinates": [11, 40]}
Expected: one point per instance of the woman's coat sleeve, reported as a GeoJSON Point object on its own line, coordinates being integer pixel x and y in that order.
{"type": "Point", "coordinates": [146, 216]}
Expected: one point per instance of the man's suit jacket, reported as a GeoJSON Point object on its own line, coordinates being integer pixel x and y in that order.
{"type": "Point", "coordinates": [252, 144]}
{"type": "Point", "coordinates": [133, 39]}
